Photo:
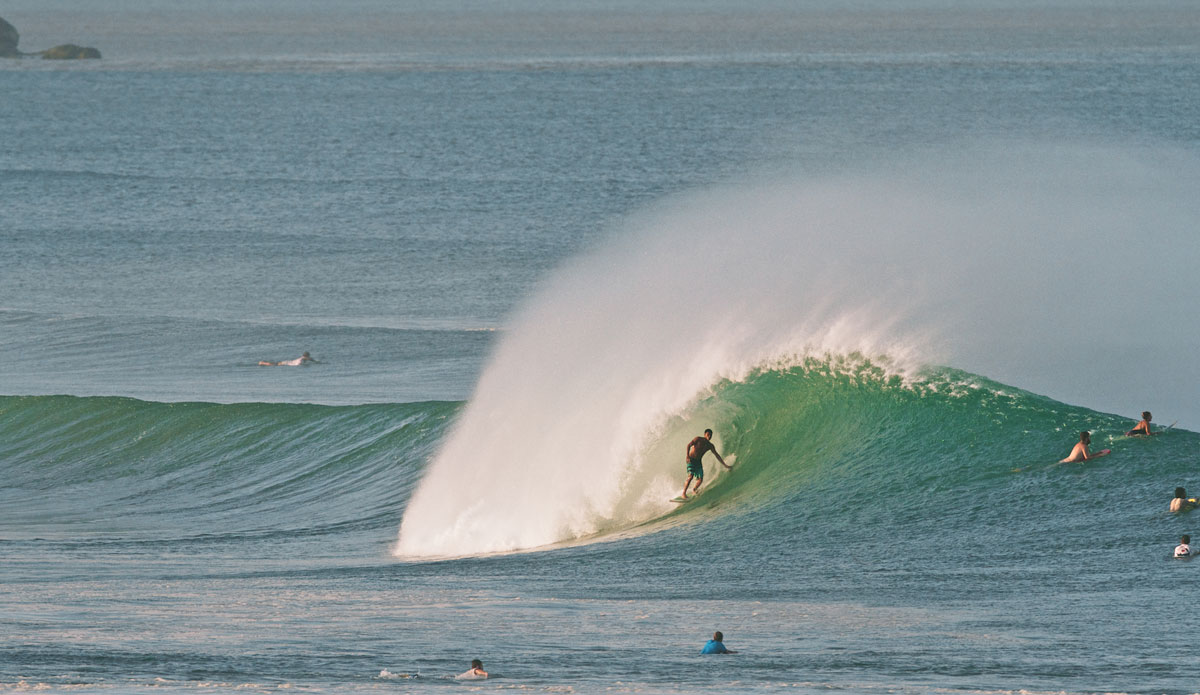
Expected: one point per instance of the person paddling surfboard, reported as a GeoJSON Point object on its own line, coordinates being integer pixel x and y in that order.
{"type": "Point", "coordinates": [302, 359]}
{"type": "Point", "coordinates": [1080, 452]}
{"type": "Point", "coordinates": [695, 451]}
{"type": "Point", "coordinates": [1142, 428]}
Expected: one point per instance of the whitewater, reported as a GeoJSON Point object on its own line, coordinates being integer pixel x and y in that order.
{"type": "Point", "coordinates": [577, 423]}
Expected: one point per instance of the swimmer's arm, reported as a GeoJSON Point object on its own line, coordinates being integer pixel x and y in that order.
{"type": "Point", "coordinates": [727, 466]}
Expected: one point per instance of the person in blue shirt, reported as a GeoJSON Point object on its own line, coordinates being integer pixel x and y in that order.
{"type": "Point", "coordinates": [716, 645]}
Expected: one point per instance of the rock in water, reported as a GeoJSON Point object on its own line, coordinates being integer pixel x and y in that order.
{"type": "Point", "coordinates": [69, 51]}
{"type": "Point", "coordinates": [8, 40]}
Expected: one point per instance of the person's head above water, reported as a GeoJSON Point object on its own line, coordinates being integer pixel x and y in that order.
{"type": "Point", "coordinates": [1085, 437]}
{"type": "Point", "coordinates": [476, 663]}
{"type": "Point", "coordinates": [708, 433]}
{"type": "Point", "coordinates": [718, 636]}
{"type": "Point", "coordinates": [1185, 539]}
{"type": "Point", "coordinates": [1180, 493]}
{"type": "Point", "coordinates": [305, 355]}
{"type": "Point", "coordinates": [1146, 415]}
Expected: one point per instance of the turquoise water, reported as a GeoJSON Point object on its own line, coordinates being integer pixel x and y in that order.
{"type": "Point", "coordinates": [870, 539]}
{"type": "Point", "coordinates": [897, 257]}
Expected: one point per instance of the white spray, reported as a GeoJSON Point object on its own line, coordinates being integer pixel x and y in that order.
{"type": "Point", "coordinates": [926, 261]}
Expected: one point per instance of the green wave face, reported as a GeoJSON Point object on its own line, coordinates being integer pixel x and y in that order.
{"type": "Point", "coordinates": [100, 465]}
{"type": "Point", "coordinates": [839, 445]}
{"type": "Point", "coordinates": [839, 461]}
{"type": "Point", "coordinates": [833, 442]}
{"type": "Point", "coordinates": [808, 429]}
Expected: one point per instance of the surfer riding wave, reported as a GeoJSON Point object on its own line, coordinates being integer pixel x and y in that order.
{"type": "Point", "coordinates": [695, 451]}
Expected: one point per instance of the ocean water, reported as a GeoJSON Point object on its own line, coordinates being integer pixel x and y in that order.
{"type": "Point", "coordinates": [897, 255]}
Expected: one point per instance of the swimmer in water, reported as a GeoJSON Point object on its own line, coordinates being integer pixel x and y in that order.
{"type": "Point", "coordinates": [1182, 503]}
{"type": "Point", "coordinates": [1184, 549]}
{"type": "Point", "coordinates": [716, 645]}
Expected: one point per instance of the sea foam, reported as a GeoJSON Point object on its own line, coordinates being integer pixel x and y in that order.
{"type": "Point", "coordinates": [579, 422]}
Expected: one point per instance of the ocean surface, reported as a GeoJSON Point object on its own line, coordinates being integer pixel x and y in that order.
{"type": "Point", "coordinates": [897, 256]}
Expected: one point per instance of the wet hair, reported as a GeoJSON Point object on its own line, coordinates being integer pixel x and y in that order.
{"type": "Point", "coordinates": [1180, 492]}
{"type": "Point", "coordinates": [1145, 414]}
{"type": "Point", "coordinates": [707, 431]}
{"type": "Point", "coordinates": [476, 663]}
{"type": "Point", "coordinates": [1185, 539]}
{"type": "Point", "coordinates": [718, 636]}
{"type": "Point", "coordinates": [1085, 436]}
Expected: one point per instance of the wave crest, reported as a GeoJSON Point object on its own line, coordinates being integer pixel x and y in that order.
{"type": "Point", "coordinates": [974, 260]}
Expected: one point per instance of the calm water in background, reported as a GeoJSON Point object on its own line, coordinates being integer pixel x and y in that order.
{"type": "Point", "coordinates": [382, 185]}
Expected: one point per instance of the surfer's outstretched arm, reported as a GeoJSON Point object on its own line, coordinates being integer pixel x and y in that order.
{"type": "Point", "coordinates": [727, 466]}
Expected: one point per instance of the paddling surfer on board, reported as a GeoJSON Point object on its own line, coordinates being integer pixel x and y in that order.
{"type": "Point", "coordinates": [1142, 428]}
{"type": "Point", "coordinates": [696, 449]}
{"type": "Point", "coordinates": [302, 359]}
{"type": "Point", "coordinates": [1080, 452]}
{"type": "Point", "coordinates": [475, 674]}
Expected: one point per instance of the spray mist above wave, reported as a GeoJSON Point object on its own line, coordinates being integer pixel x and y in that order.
{"type": "Point", "coordinates": [575, 423]}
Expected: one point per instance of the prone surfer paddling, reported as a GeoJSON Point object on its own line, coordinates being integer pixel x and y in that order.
{"type": "Point", "coordinates": [695, 451]}
{"type": "Point", "coordinates": [1181, 502]}
{"type": "Point", "coordinates": [1142, 428]}
{"type": "Point", "coordinates": [475, 674]}
{"type": "Point", "coordinates": [288, 363]}
{"type": "Point", "coordinates": [1080, 452]}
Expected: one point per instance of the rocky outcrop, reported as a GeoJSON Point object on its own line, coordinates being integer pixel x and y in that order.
{"type": "Point", "coordinates": [69, 51]}
{"type": "Point", "coordinates": [8, 40]}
